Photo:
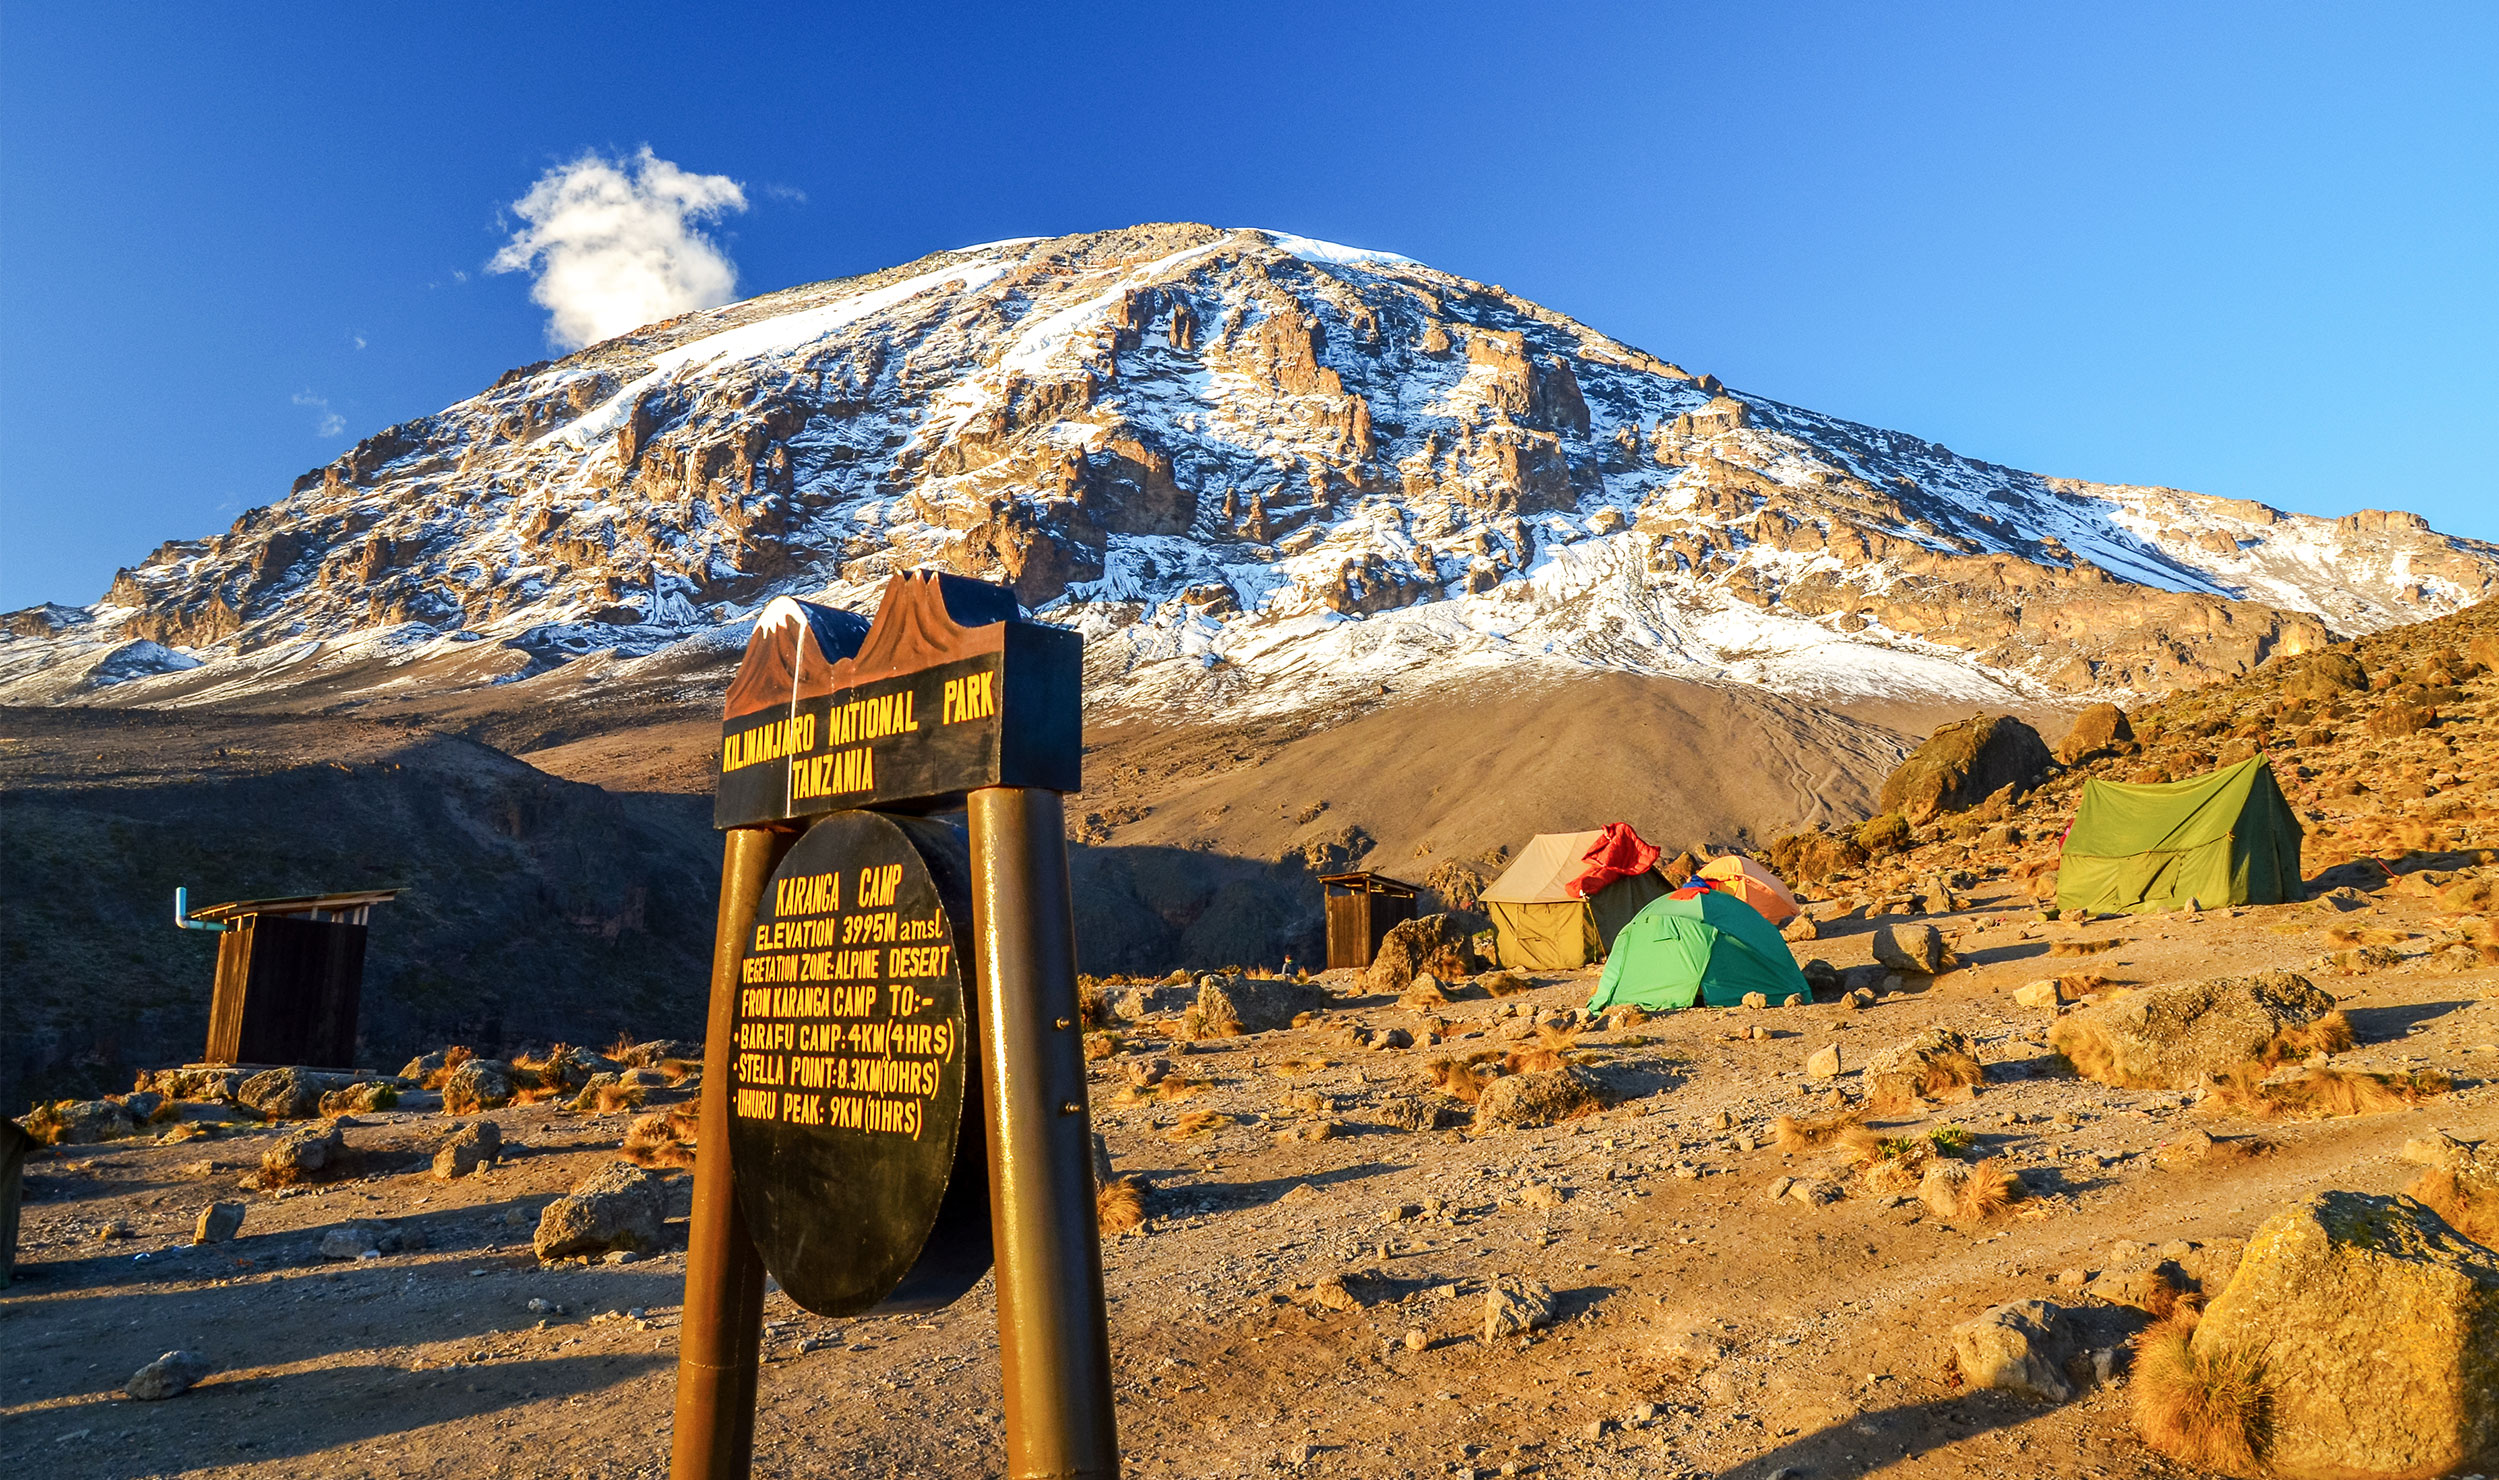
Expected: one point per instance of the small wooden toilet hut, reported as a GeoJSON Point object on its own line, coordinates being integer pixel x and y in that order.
{"type": "Point", "coordinates": [1362, 908]}
{"type": "Point", "coordinates": [289, 975]}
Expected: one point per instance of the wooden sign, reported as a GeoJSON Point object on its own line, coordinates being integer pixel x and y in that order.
{"type": "Point", "coordinates": [951, 688]}
{"type": "Point", "coordinates": [853, 1069]}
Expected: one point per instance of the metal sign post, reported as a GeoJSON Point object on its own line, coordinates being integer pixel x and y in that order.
{"type": "Point", "coordinates": [854, 1022]}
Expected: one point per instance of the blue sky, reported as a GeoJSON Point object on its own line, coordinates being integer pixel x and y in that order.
{"type": "Point", "coordinates": [2248, 250]}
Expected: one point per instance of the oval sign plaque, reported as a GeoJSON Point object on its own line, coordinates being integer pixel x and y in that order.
{"type": "Point", "coordinates": [853, 1072]}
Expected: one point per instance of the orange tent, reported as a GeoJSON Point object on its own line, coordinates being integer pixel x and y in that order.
{"type": "Point", "coordinates": [1755, 885]}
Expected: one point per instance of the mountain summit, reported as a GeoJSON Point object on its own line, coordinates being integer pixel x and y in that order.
{"type": "Point", "coordinates": [1260, 472]}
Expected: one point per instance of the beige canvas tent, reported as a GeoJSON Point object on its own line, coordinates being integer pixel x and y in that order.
{"type": "Point", "coordinates": [1538, 925]}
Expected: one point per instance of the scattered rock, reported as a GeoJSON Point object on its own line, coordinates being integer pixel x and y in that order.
{"type": "Point", "coordinates": [1227, 1005]}
{"type": "Point", "coordinates": [362, 1098]}
{"type": "Point", "coordinates": [471, 1146]}
{"type": "Point", "coordinates": [1333, 1293]}
{"type": "Point", "coordinates": [1513, 1305]}
{"type": "Point", "coordinates": [1541, 1195]}
{"type": "Point", "coordinates": [1941, 1188]}
{"type": "Point", "coordinates": [1420, 1113]}
{"type": "Point", "coordinates": [1425, 992]}
{"type": "Point", "coordinates": [1937, 1064]}
{"type": "Point", "coordinates": [1824, 1062]}
{"type": "Point", "coordinates": [1135, 1004]}
{"type": "Point", "coordinates": [1442, 944]}
{"type": "Point", "coordinates": [355, 1240]}
{"type": "Point", "coordinates": [81, 1122]}
{"type": "Point", "coordinates": [1756, 1000]}
{"type": "Point", "coordinates": [2021, 1347]}
{"type": "Point", "coordinates": [174, 1372]}
{"type": "Point", "coordinates": [2171, 1037]}
{"type": "Point", "coordinates": [2375, 1327]}
{"type": "Point", "coordinates": [1911, 948]}
{"type": "Point", "coordinates": [308, 1155]}
{"type": "Point", "coordinates": [288, 1094]}
{"type": "Point", "coordinates": [2102, 729]}
{"type": "Point", "coordinates": [1801, 928]}
{"type": "Point", "coordinates": [1545, 1097]}
{"type": "Point", "coordinates": [620, 1206]}
{"type": "Point", "coordinates": [218, 1222]}
{"type": "Point", "coordinates": [478, 1084]}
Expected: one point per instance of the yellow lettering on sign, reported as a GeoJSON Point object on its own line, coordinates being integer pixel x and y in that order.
{"type": "Point", "coordinates": [973, 696]}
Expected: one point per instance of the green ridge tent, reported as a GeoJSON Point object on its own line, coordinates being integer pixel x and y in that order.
{"type": "Point", "coordinates": [1538, 925]}
{"type": "Point", "coordinates": [1696, 946]}
{"type": "Point", "coordinates": [2219, 839]}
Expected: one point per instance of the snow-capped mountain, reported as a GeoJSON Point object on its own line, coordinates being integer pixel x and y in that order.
{"type": "Point", "coordinates": [1260, 473]}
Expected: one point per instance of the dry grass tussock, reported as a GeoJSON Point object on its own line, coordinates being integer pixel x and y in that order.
{"type": "Point", "coordinates": [605, 1099]}
{"type": "Point", "coordinates": [453, 1057]}
{"type": "Point", "coordinates": [1534, 1060]}
{"type": "Point", "coordinates": [1887, 1164]}
{"type": "Point", "coordinates": [1170, 1087]}
{"type": "Point", "coordinates": [1991, 1190]}
{"type": "Point", "coordinates": [1119, 1205]}
{"type": "Point", "coordinates": [1197, 1123]}
{"type": "Point", "coordinates": [2086, 1046]}
{"type": "Point", "coordinates": [1295, 1068]}
{"type": "Point", "coordinates": [2323, 1094]}
{"type": "Point", "coordinates": [1465, 1078]}
{"type": "Point", "coordinates": [1951, 1075]}
{"type": "Point", "coordinates": [1815, 1132]}
{"type": "Point", "coordinates": [2085, 947]}
{"type": "Point", "coordinates": [663, 1138]}
{"type": "Point", "coordinates": [2200, 1410]}
{"type": "Point", "coordinates": [2328, 1034]}
{"type": "Point", "coordinates": [1557, 1039]}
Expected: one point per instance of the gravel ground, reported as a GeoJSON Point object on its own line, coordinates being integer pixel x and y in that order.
{"type": "Point", "coordinates": [1699, 1327]}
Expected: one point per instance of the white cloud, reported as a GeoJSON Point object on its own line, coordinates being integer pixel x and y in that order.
{"type": "Point", "coordinates": [329, 423]}
{"type": "Point", "coordinates": [614, 244]}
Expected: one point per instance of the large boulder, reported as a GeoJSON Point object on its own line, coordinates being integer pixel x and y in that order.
{"type": "Point", "coordinates": [1965, 763]}
{"type": "Point", "coordinates": [1441, 944]}
{"type": "Point", "coordinates": [2372, 1328]}
{"type": "Point", "coordinates": [2021, 1348]}
{"type": "Point", "coordinates": [289, 1094]}
{"type": "Point", "coordinates": [2172, 1037]}
{"type": "Point", "coordinates": [2102, 729]}
{"type": "Point", "coordinates": [1543, 1097]}
{"type": "Point", "coordinates": [1253, 1004]}
{"type": "Point", "coordinates": [620, 1206]}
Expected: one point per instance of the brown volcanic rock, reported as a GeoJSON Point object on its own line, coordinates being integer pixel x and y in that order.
{"type": "Point", "coordinates": [2099, 730]}
{"type": "Point", "coordinates": [1963, 764]}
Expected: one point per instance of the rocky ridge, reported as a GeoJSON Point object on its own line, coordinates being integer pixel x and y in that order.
{"type": "Point", "coordinates": [1262, 473]}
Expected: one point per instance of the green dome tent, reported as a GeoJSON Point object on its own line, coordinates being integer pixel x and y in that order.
{"type": "Point", "coordinates": [2219, 839]}
{"type": "Point", "coordinates": [1694, 946]}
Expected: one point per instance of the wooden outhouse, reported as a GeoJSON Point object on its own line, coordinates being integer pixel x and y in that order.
{"type": "Point", "coordinates": [290, 973]}
{"type": "Point", "coordinates": [1362, 908]}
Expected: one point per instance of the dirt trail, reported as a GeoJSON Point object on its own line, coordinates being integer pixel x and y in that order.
{"type": "Point", "coordinates": [1769, 1335]}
